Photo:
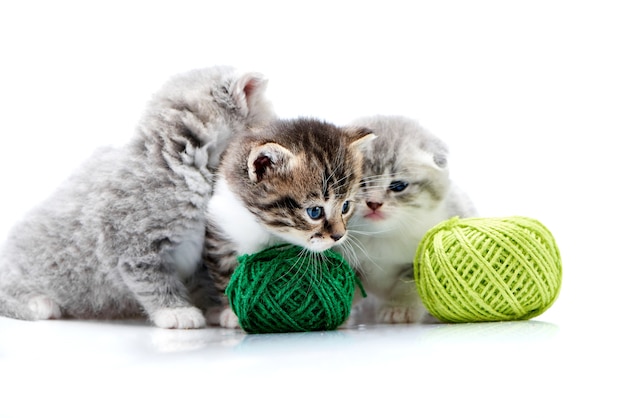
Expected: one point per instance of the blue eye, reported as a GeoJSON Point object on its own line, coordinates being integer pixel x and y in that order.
{"type": "Point", "coordinates": [398, 186]}
{"type": "Point", "coordinates": [315, 212]}
{"type": "Point", "coordinates": [346, 207]}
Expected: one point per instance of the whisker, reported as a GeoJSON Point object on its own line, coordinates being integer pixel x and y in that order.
{"type": "Point", "coordinates": [356, 243]}
{"type": "Point", "coordinates": [373, 233]}
{"type": "Point", "coordinates": [348, 253]}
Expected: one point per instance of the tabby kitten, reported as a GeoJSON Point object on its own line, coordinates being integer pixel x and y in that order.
{"type": "Point", "coordinates": [123, 236]}
{"type": "Point", "coordinates": [294, 181]}
{"type": "Point", "coordinates": [404, 192]}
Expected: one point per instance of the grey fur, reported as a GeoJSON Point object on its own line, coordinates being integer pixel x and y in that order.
{"type": "Point", "coordinates": [123, 236]}
{"type": "Point", "coordinates": [388, 225]}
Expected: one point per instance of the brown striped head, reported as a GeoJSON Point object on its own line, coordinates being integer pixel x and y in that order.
{"type": "Point", "coordinates": [299, 178]}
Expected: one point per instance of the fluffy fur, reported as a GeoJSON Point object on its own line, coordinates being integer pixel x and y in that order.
{"type": "Point", "coordinates": [295, 181]}
{"type": "Point", "coordinates": [405, 191]}
{"type": "Point", "coordinates": [123, 236]}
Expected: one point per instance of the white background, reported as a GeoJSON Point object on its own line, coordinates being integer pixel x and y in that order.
{"type": "Point", "coordinates": [530, 96]}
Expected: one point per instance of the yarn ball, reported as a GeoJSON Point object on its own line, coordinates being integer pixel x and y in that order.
{"type": "Point", "coordinates": [488, 269]}
{"type": "Point", "coordinates": [286, 288]}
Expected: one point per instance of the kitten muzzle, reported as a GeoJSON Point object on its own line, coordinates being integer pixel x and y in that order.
{"type": "Point", "coordinates": [373, 205]}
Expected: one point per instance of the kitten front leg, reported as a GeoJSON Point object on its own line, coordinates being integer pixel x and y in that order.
{"type": "Point", "coordinates": [220, 259]}
{"type": "Point", "coordinates": [228, 319]}
{"type": "Point", "coordinates": [44, 307]}
{"type": "Point", "coordinates": [163, 296]}
{"type": "Point", "coordinates": [222, 316]}
{"type": "Point", "coordinates": [180, 318]}
{"type": "Point", "coordinates": [390, 314]}
{"type": "Point", "coordinates": [402, 305]}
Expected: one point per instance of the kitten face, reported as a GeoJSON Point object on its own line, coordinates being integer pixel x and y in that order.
{"type": "Point", "coordinates": [299, 179]}
{"type": "Point", "coordinates": [404, 174]}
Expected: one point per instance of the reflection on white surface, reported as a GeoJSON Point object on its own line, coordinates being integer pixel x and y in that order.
{"type": "Point", "coordinates": [112, 368]}
{"type": "Point", "coordinates": [74, 340]}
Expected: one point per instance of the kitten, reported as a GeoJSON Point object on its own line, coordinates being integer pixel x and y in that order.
{"type": "Point", "coordinates": [123, 236]}
{"type": "Point", "coordinates": [405, 191]}
{"type": "Point", "coordinates": [294, 181]}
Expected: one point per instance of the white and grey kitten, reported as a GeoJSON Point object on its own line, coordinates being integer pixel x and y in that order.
{"type": "Point", "coordinates": [405, 191]}
{"type": "Point", "coordinates": [294, 181]}
{"type": "Point", "coordinates": [123, 236]}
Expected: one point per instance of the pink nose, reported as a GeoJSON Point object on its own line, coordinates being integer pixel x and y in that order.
{"type": "Point", "coordinates": [374, 205]}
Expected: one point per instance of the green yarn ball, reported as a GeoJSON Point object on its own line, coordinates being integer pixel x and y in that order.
{"type": "Point", "coordinates": [488, 269]}
{"type": "Point", "coordinates": [286, 288]}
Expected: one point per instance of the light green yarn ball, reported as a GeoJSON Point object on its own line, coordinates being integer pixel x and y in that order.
{"type": "Point", "coordinates": [488, 269]}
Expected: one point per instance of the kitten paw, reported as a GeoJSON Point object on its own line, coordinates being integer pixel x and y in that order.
{"type": "Point", "coordinates": [44, 308]}
{"type": "Point", "coordinates": [398, 315]}
{"type": "Point", "coordinates": [179, 318]}
{"type": "Point", "coordinates": [228, 319]}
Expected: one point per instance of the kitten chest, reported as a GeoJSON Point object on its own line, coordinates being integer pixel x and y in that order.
{"type": "Point", "coordinates": [236, 221]}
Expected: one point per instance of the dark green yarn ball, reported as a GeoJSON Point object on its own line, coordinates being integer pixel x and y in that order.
{"type": "Point", "coordinates": [289, 289]}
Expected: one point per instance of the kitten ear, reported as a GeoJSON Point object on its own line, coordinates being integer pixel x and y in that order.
{"type": "Point", "coordinates": [269, 158]}
{"type": "Point", "coordinates": [440, 160]}
{"type": "Point", "coordinates": [358, 136]}
{"type": "Point", "coordinates": [246, 89]}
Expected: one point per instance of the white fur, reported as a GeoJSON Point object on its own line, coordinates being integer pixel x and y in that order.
{"type": "Point", "coordinates": [390, 246]}
{"type": "Point", "coordinates": [229, 212]}
{"type": "Point", "coordinates": [393, 242]}
{"type": "Point", "coordinates": [180, 318]}
{"type": "Point", "coordinates": [385, 238]}
{"type": "Point", "coordinates": [322, 244]}
{"type": "Point", "coordinates": [228, 319]}
{"type": "Point", "coordinates": [44, 308]}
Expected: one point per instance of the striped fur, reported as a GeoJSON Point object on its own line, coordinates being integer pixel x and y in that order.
{"type": "Point", "coordinates": [269, 184]}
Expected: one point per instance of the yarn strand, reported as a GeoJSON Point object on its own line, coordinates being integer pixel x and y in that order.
{"type": "Point", "coordinates": [288, 289]}
{"type": "Point", "coordinates": [488, 269]}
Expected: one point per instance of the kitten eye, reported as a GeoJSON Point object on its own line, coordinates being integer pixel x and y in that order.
{"type": "Point", "coordinates": [346, 207]}
{"type": "Point", "coordinates": [315, 212]}
{"type": "Point", "coordinates": [398, 186]}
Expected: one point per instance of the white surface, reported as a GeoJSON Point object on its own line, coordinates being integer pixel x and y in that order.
{"type": "Point", "coordinates": [530, 99]}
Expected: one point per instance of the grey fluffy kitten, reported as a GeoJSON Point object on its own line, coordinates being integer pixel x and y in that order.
{"type": "Point", "coordinates": [294, 181]}
{"type": "Point", "coordinates": [405, 191]}
{"type": "Point", "coordinates": [124, 235]}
